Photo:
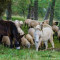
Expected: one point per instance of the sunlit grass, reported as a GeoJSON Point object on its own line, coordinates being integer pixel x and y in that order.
{"type": "Point", "coordinates": [27, 54]}
{"type": "Point", "coordinates": [15, 18]}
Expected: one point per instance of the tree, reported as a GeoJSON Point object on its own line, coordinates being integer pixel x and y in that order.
{"type": "Point", "coordinates": [31, 10]}
{"type": "Point", "coordinates": [47, 13]}
{"type": "Point", "coordinates": [57, 10]}
{"type": "Point", "coordinates": [36, 10]}
{"type": "Point", "coordinates": [9, 11]}
{"type": "Point", "coordinates": [20, 6]}
{"type": "Point", "coordinates": [52, 12]}
{"type": "Point", "coordinates": [3, 5]}
{"type": "Point", "coordinates": [23, 4]}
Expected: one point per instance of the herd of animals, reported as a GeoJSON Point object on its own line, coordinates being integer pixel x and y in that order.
{"type": "Point", "coordinates": [12, 35]}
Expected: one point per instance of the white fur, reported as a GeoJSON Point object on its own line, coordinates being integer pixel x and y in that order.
{"type": "Point", "coordinates": [18, 48]}
{"type": "Point", "coordinates": [17, 23]}
{"type": "Point", "coordinates": [21, 22]}
{"type": "Point", "coordinates": [44, 35]}
{"type": "Point", "coordinates": [20, 31]}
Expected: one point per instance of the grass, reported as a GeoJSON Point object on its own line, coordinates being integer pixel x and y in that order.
{"type": "Point", "coordinates": [16, 18]}
{"type": "Point", "coordinates": [29, 54]}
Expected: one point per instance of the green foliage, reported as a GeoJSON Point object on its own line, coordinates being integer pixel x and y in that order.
{"type": "Point", "coordinates": [3, 5]}
{"type": "Point", "coordinates": [15, 18]}
{"type": "Point", "coordinates": [57, 9]}
{"type": "Point", "coordinates": [20, 7]}
{"type": "Point", "coordinates": [27, 54]}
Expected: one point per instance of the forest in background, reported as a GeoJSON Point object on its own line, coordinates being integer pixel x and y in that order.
{"type": "Point", "coordinates": [30, 8]}
{"type": "Point", "coordinates": [20, 7]}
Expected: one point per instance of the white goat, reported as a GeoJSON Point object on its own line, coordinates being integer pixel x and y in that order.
{"type": "Point", "coordinates": [43, 35]}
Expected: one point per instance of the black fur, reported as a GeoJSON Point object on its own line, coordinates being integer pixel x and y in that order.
{"type": "Point", "coordinates": [8, 28]}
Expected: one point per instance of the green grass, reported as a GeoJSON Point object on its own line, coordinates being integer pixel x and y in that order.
{"type": "Point", "coordinates": [29, 54]}
{"type": "Point", "coordinates": [16, 18]}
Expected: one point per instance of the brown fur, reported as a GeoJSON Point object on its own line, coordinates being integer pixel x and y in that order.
{"type": "Point", "coordinates": [54, 22]}
{"type": "Point", "coordinates": [30, 39]}
{"type": "Point", "coordinates": [24, 41]}
{"type": "Point", "coordinates": [55, 28]}
{"type": "Point", "coordinates": [34, 23]}
{"type": "Point", "coordinates": [31, 32]}
{"type": "Point", "coordinates": [59, 35]}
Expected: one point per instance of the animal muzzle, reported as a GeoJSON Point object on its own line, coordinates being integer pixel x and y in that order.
{"type": "Point", "coordinates": [28, 45]}
{"type": "Point", "coordinates": [17, 45]}
{"type": "Point", "coordinates": [36, 41]}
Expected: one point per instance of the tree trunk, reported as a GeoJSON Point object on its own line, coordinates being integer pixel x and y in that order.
{"type": "Point", "coordinates": [23, 12]}
{"type": "Point", "coordinates": [0, 18]}
{"type": "Point", "coordinates": [9, 11]}
{"type": "Point", "coordinates": [52, 12]}
{"type": "Point", "coordinates": [47, 13]}
{"type": "Point", "coordinates": [3, 5]}
{"type": "Point", "coordinates": [32, 12]}
{"type": "Point", "coordinates": [29, 11]}
{"type": "Point", "coordinates": [36, 10]}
